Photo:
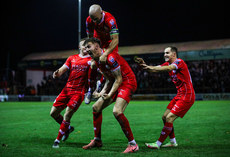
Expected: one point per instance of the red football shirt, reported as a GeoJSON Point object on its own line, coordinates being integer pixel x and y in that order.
{"type": "Point", "coordinates": [181, 76]}
{"type": "Point", "coordinates": [114, 62]}
{"type": "Point", "coordinates": [78, 77]}
{"type": "Point", "coordinates": [104, 29]}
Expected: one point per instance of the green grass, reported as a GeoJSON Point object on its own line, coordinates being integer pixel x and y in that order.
{"type": "Point", "coordinates": [26, 129]}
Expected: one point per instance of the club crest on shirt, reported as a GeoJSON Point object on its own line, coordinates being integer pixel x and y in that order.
{"type": "Point", "coordinates": [111, 59]}
{"type": "Point", "coordinates": [111, 22]}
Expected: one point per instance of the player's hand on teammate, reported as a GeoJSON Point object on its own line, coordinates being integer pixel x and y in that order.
{"type": "Point", "coordinates": [96, 95]}
{"type": "Point", "coordinates": [105, 96]}
{"type": "Point", "coordinates": [93, 64]}
{"type": "Point", "coordinates": [103, 58]}
{"type": "Point", "coordinates": [55, 74]}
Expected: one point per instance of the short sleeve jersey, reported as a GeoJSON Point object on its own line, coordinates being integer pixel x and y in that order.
{"type": "Point", "coordinates": [181, 76]}
{"type": "Point", "coordinates": [78, 66]}
{"type": "Point", "coordinates": [103, 30]}
{"type": "Point", "coordinates": [115, 62]}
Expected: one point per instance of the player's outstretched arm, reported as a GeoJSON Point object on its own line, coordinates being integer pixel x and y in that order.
{"type": "Point", "coordinates": [158, 68]}
{"type": "Point", "coordinates": [60, 71]}
{"type": "Point", "coordinates": [139, 60]}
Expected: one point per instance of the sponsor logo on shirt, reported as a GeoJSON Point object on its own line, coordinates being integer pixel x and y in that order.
{"type": "Point", "coordinates": [79, 67]}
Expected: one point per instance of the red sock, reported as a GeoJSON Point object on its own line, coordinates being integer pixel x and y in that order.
{"type": "Point", "coordinates": [59, 119]}
{"type": "Point", "coordinates": [165, 131]}
{"type": "Point", "coordinates": [63, 128]}
{"type": "Point", "coordinates": [172, 134]}
{"type": "Point", "coordinates": [97, 121]}
{"type": "Point", "coordinates": [124, 123]}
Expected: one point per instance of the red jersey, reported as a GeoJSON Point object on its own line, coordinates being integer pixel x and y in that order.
{"type": "Point", "coordinates": [181, 77]}
{"type": "Point", "coordinates": [78, 77]}
{"type": "Point", "coordinates": [114, 62]}
{"type": "Point", "coordinates": [104, 29]}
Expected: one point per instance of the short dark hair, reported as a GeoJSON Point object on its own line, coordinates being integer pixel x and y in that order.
{"type": "Point", "coordinates": [92, 40]}
{"type": "Point", "coordinates": [174, 49]}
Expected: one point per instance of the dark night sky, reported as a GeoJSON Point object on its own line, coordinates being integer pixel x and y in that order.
{"type": "Point", "coordinates": [51, 25]}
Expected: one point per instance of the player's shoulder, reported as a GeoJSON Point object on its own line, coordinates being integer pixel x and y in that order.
{"type": "Point", "coordinates": [88, 19]}
{"type": "Point", "coordinates": [112, 57]}
{"type": "Point", "coordinates": [109, 17]}
{"type": "Point", "coordinates": [179, 60]}
{"type": "Point", "coordinates": [72, 56]}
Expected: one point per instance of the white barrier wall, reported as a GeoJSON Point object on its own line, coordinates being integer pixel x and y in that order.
{"type": "Point", "coordinates": [34, 77]}
{"type": "Point", "coordinates": [154, 97]}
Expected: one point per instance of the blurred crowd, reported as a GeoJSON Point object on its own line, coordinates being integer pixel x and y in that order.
{"type": "Point", "coordinates": [210, 76]}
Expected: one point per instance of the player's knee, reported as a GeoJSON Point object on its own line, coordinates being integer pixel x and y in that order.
{"type": "Point", "coordinates": [164, 118]}
{"type": "Point", "coordinates": [67, 117]}
{"type": "Point", "coordinates": [116, 113]}
{"type": "Point", "coordinates": [170, 118]}
{"type": "Point", "coordinates": [53, 114]}
{"type": "Point", "coordinates": [95, 109]}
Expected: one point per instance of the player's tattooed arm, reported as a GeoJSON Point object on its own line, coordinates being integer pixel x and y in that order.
{"type": "Point", "coordinates": [118, 80]}
{"type": "Point", "coordinates": [107, 86]}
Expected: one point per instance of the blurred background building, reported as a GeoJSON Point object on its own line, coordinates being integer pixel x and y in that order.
{"type": "Point", "coordinates": [208, 63]}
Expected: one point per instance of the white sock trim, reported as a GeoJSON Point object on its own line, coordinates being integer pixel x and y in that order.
{"type": "Point", "coordinates": [133, 142]}
{"type": "Point", "coordinates": [173, 140]}
{"type": "Point", "coordinates": [57, 141]}
{"type": "Point", "coordinates": [158, 143]}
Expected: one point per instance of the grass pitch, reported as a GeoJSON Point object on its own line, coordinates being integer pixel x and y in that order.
{"type": "Point", "coordinates": [26, 129]}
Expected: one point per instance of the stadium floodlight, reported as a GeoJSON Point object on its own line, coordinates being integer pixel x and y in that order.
{"type": "Point", "coordinates": [79, 20]}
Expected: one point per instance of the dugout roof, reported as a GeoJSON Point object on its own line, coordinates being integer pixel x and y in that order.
{"type": "Point", "coordinates": [139, 49]}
